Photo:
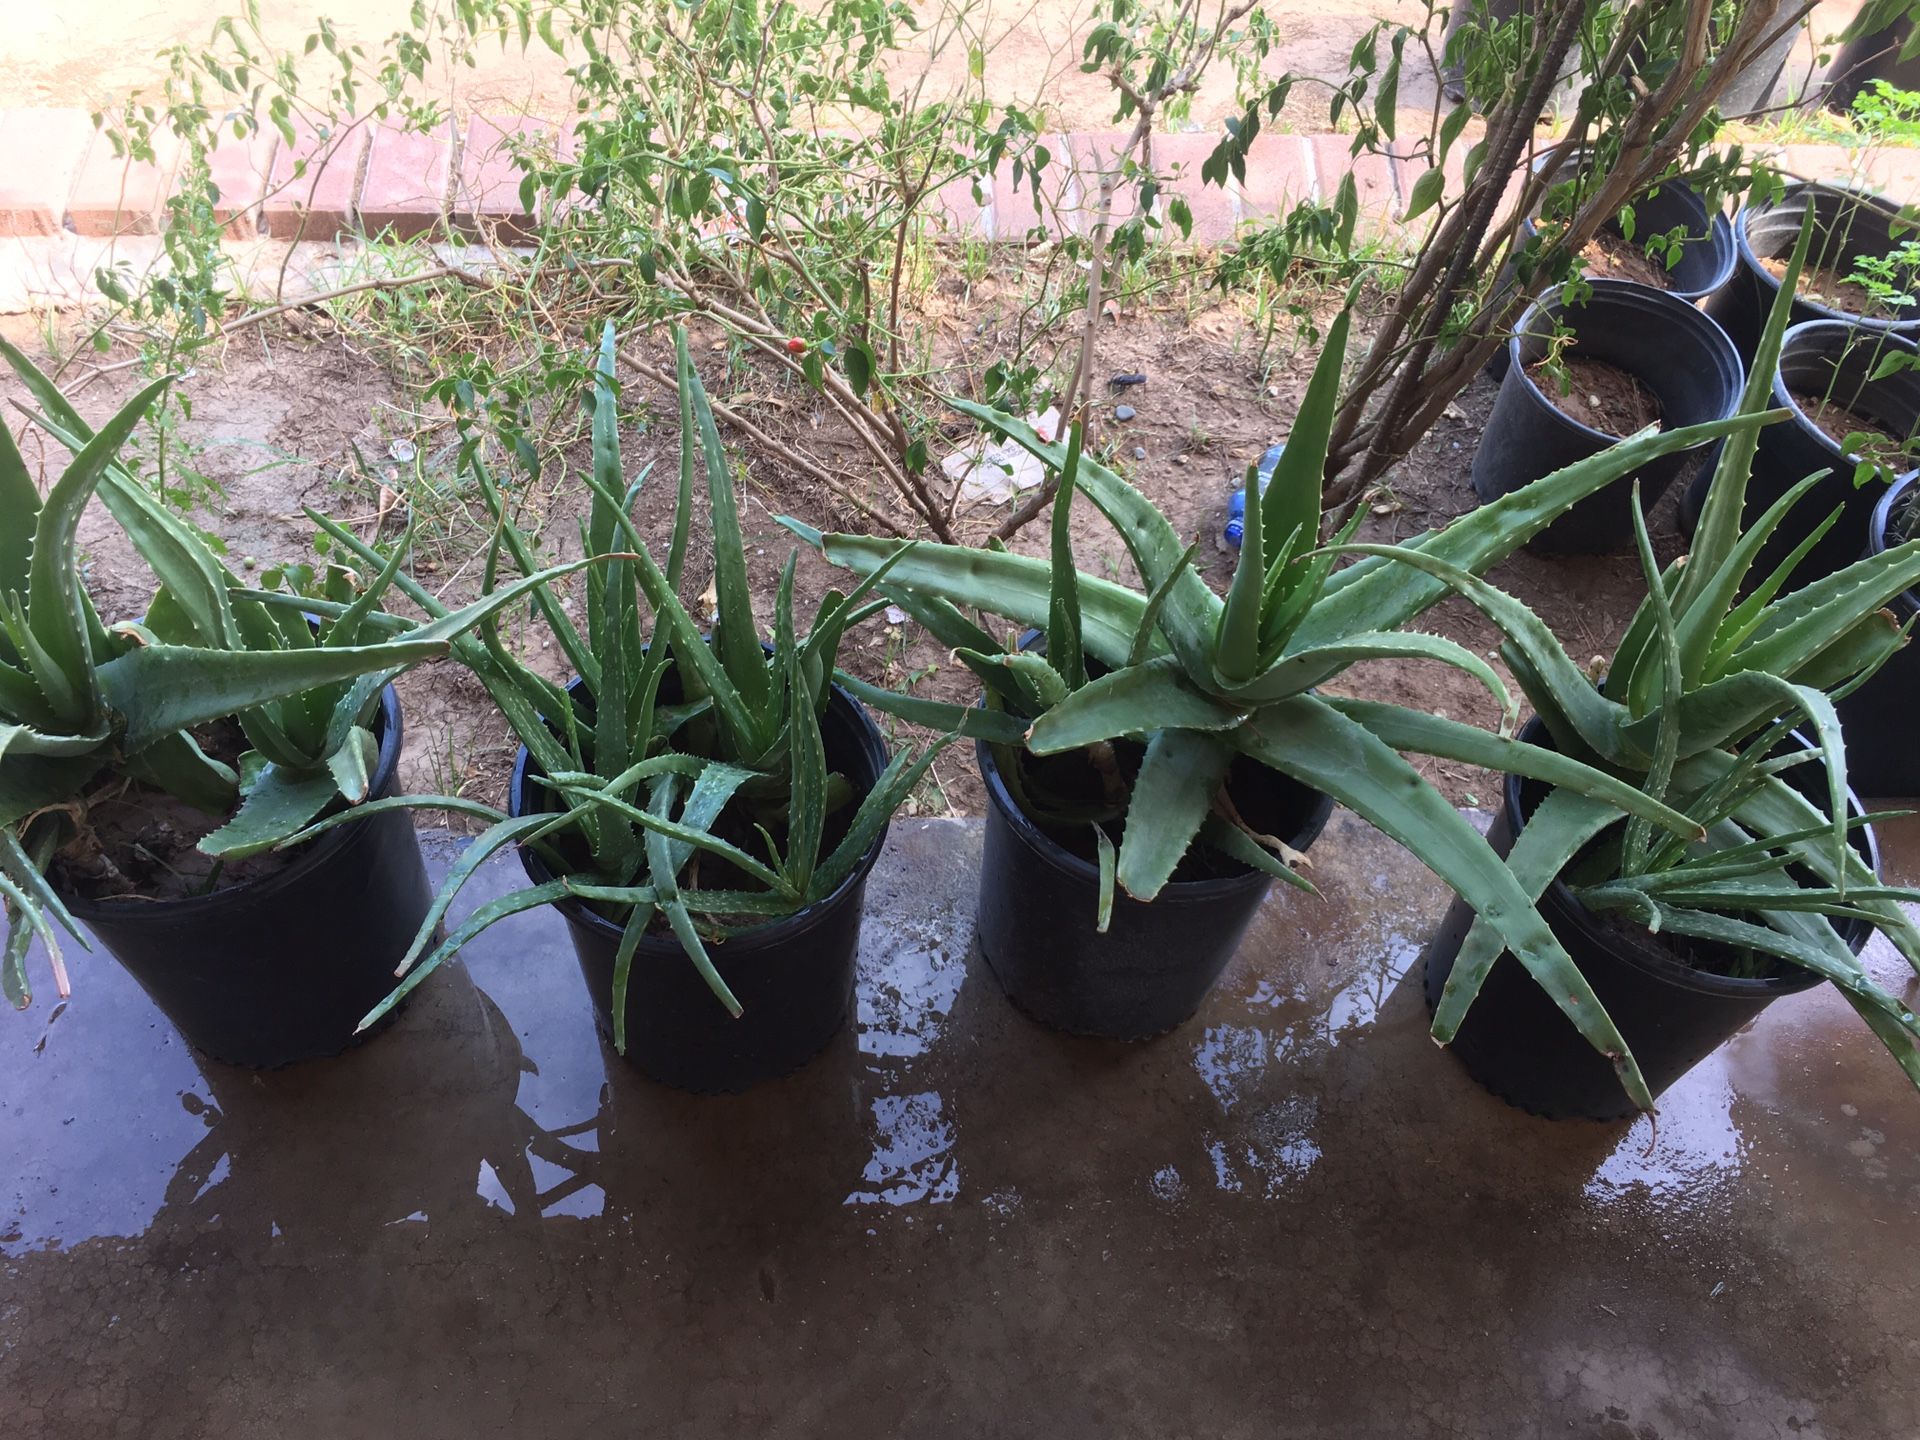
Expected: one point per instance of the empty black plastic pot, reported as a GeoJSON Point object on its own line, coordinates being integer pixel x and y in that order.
{"type": "Point", "coordinates": [1847, 225]}
{"type": "Point", "coordinates": [283, 968]}
{"type": "Point", "coordinates": [1870, 57]}
{"type": "Point", "coordinates": [1882, 718]}
{"type": "Point", "coordinates": [1833, 360]}
{"type": "Point", "coordinates": [1707, 255]}
{"type": "Point", "coordinates": [1516, 1042]}
{"type": "Point", "coordinates": [793, 977]}
{"type": "Point", "coordinates": [1157, 961]}
{"type": "Point", "coordinates": [1668, 345]}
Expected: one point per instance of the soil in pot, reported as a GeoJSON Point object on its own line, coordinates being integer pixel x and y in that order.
{"type": "Point", "coordinates": [1611, 256]}
{"type": "Point", "coordinates": [1149, 972]}
{"type": "Point", "coordinates": [139, 840]}
{"type": "Point", "coordinates": [1825, 286]}
{"type": "Point", "coordinates": [1604, 396]}
{"type": "Point", "coordinates": [1837, 422]}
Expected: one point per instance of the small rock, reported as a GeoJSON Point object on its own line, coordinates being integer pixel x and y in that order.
{"type": "Point", "coordinates": [1139, 452]}
{"type": "Point", "coordinates": [1123, 412]}
{"type": "Point", "coordinates": [1179, 459]}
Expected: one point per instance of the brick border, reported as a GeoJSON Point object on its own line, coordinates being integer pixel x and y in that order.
{"type": "Point", "coordinates": [362, 179]}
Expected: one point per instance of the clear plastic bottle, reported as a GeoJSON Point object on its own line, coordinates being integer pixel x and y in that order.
{"type": "Point", "coordinates": [1237, 503]}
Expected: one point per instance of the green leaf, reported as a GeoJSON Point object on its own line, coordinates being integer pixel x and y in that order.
{"type": "Point", "coordinates": [1135, 701]}
{"type": "Point", "coordinates": [1293, 500]}
{"type": "Point", "coordinates": [1718, 530]}
{"type": "Point", "coordinates": [735, 638]}
{"type": "Point", "coordinates": [1425, 193]}
{"type": "Point", "coordinates": [1018, 587]}
{"type": "Point", "coordinates": [1304, 669]}
{"type": "Point", "coordinates": [807, 777]}
{"type": "Point", "coordinates": [1423, 734]}
{"type": "Point", "coordinates": [1237, 640]}
{"type": "Point", "coordinates": [667, 891]}
{"type": "Point", "coordinates": [1063, 606]}
{"type": "Point", "coordinates": [1190, 615]}
{"type": "Point", "coordinates": [352, 765]}
{"type": "Point", "coordinates": [1598, 720]}
{"type": "Point", "coordinates": [994, 726]}
{"type": "Point", "coordinates": [19, 507]}
{"type": "Point", "coordinates": [1378, 594]}
{"type": "Point", "coordinates": [480, 920]}
{"type": "Point", "coordinates": [54, 606]}
{"type": "Point", "coordinates": [1103, 850]}
{"type": "Point", "coordinates": [889, 792]}
{"type": "Point", "coordinates": [1307, 738]}
{"type": "Point", "coordinates": [1174, 791]}
{"type": "Point", "coordinates": [176, 764]}
{"type": "Point", "coordinates": [277, 804]}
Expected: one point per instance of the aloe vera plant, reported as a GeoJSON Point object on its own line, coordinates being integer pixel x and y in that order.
{"type": "Point", "coordinates": [641, 784]}
{"type": "Point", "coordinates": [1201, 679]}
{"type": "Point", "coordinates": [82, 702]}
{"type": "Point", "coordinates": [1712, 674]}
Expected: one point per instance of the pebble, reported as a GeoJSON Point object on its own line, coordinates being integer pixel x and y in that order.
{"type": "Point", "coordinates": [1123, 412]}
{"type": "Point", "coordinates": [1139, 452]}
{"type": "Point", "coordinates": [1179, 459]}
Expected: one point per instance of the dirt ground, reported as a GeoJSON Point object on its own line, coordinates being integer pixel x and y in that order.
{"type": "Point", "coordinates": [286, 417]}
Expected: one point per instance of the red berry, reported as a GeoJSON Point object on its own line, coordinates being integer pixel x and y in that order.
{"type": "Point", "coordinates": [796, 346]}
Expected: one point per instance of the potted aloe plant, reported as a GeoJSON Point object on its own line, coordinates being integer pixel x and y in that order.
{"type": "Point", "coordinates": [1684, 938]}
{"type": "Point", "coordinates": [1168, 753]}
{"type": "Point", "coordinates": [147, 769]}
{"type": "Point", "coordinates": [702, 811]}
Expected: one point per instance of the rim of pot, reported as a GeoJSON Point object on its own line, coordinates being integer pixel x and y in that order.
{"type": "Point", "coordinates": [1882, 521]}
{"type": "Point", "coordinates": [798, 923]}
{"type": "Point", "coordinates": [1717, 226]}
{"type": "Point", "coordinates": [1812, 330]}
{"type": "Point", "coordinates": [264, 886]}
{"type": "Point", "coordinates": [1750, 258]}
{"type": "Point", "coordinates": [1646, 953]}
{"type": "Point", "coordinates": [1628, 295]}
{"type": "Point", "coordinates": [1053, 853]}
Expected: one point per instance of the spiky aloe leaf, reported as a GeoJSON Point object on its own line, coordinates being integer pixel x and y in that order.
{"type": "Point", "coordinates": [1105, 862]}
{"type": "Point", "coordinates": [1717, 534]}
{"type": "Point", "coordinates": [1237, 639]}
{"type": "Point", "coordinates": [1293, 499]}
{"type": "Point", "coordinates": [1307, 738]}
{"type": "Point", "coordinates": [1424, 734]}
{"type": "Point", "coordinates": [1304, 669]}
{"type": "Point", "coordinates": [996, 727]}
{"type": "Point", "coordinates": [1136, 701]}
{"type": "Point", "coordinates": [277, 804]}
{"type": "Point", "coordinates": [19, 509]}
{"type": "Point", "coordinates": [1017, 586]}
{"type": "Point", "coordinates": [1179, 776]}
{"type": "Point", "coordinates": [54, 605]}
{"type": "Point", "coordinates": [1375, 594]}
{"type": "Point", "coordinates": [1190, 615]}
{"type": "Point", "coordinates": [481, 920]}
{"type": "Point", "coordinates": [1063, 606]}
{"type": "Point", "coordinates": [1599, 721]}
{"type": "Point", "coordinates": [666, 887]}
{"type": "Point", "coordinates": [735, 638]}
{"type": "Point", "coordinates": [889, 792]}
{"type": "Point", "coordinates": [176, 764]}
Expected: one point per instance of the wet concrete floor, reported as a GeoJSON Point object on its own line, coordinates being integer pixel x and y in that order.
{"type": "Point", "coordinates": [1294, 1216]}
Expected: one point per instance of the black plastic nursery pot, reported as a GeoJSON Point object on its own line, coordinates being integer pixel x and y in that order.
{"type": "Point", "coordinates": [1707, 255]}
{"type": "Point", "coordinates": [1668, 345]}
{"type": "Point", "coordinates": [282, 968]}
{"type": "Point", "coordinates": [1847, 225]}
{"type": "Point", "coordinates": [1826, 358]}
{"type": "Point", "coordinates": [1516, 1042]}
{"type": "Point", "coordinates": [1157, 961]}
{"type": "Point", "coordinates": [793, 977]}
{"type": "Point", "coordinates": [1870, 57]}
{"type": "Point", "coordinates": [1882, 718]}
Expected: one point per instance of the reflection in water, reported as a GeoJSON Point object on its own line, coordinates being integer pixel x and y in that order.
{"type": "Point", "coordinates": [1271, 1142]}
{"type": "Point", "coordinates": [907, 986]}
{"type": "Point", "coordinates": [912, 1154]}
{"type": "Point", "coordinates": [1693, 1150]}
{"type": "Point", "coordinates": [1358, 1005]}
